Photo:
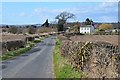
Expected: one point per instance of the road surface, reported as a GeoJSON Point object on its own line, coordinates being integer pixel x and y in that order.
{"type": "Point", "coordinates": [37, 63]}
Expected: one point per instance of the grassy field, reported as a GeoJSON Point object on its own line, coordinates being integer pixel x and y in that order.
{"type": "Point", "coordinates": [62, 68]}
{"type": "Point", "coordinates": [13, 37]}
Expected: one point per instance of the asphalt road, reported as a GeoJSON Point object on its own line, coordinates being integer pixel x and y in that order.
{"type": "Point", "coordinates": [37, 63]}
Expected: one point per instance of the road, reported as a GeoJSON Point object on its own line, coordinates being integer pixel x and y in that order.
{"type": "Point", "coordinates": [36, 63]}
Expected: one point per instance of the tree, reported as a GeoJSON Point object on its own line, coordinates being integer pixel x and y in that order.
{"type": "Point", "coordinates": [31, 30]}
{"type": "Point", "coordinates": [75, 27]}
{"type": "Point", "coordinates": [62, 18]}
{"type": "Point", "coordinates": [60, 27]}
{"type": "Point", "coordinates": [34, 26]}
{"type": "Point", "coordinates": [105, 26]}
{"type": "Point", "coordinates": [20, 30]}
{"type": "Point", "coordinates": [13, 29]}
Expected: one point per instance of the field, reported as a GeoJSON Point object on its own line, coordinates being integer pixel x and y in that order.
{"type": "Point", "coordinates": [113, 39]}
{"type": "Point", "coordinates": [12, 37]}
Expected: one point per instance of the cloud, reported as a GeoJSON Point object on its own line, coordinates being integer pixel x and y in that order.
{"type": "Point", "coordinates": [104, 11]}
{"type": "Point", "coordinates": [101, 8]}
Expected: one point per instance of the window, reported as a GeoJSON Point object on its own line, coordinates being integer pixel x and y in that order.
{"type": "Point", "coordinates": [85, 28]}
{"type": "Point", "coordinates": [81, 28]}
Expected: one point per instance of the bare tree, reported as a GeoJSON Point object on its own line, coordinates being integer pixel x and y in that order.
{"type": "Point", "coordinates": [62, 18]}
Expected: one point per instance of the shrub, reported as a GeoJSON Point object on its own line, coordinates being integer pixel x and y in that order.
{"type": "Point", "coordinates": [37, 41]}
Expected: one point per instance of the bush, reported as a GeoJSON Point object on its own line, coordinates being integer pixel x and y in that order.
{"type": "Point", "coordinates": [31, 30]}
{"type": "Point", "coordinates": [82, 55]}
{"type": "Point", "coordinates": [13, 45]}
{"type": "Point", "coordinates": [13, 29]}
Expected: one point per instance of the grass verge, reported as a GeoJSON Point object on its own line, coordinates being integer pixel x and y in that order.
{"type": "Point", "coordinates": [12, 54]}
{"type": "Point", "coordinates": [61, 68]}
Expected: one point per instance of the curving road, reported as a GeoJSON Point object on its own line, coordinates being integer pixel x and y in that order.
{"type": "Point", "coordinates": [37, 63]}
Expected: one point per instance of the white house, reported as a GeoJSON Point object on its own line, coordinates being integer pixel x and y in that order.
{"type": "Point", "coordinates": [87, 29]}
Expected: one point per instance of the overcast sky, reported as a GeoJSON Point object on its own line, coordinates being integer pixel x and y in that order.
{"type": "Point", "coordinates": [38, 12]}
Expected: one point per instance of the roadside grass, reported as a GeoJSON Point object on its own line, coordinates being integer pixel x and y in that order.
{"type": "Point", "coordinates": [12, 54]}
{"type": "Point", "coordinates": [37, 41]}
{"type": "Point", "coordinates": [62, 69]}
{"type": "Point", "coordinates": [20, 51]}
